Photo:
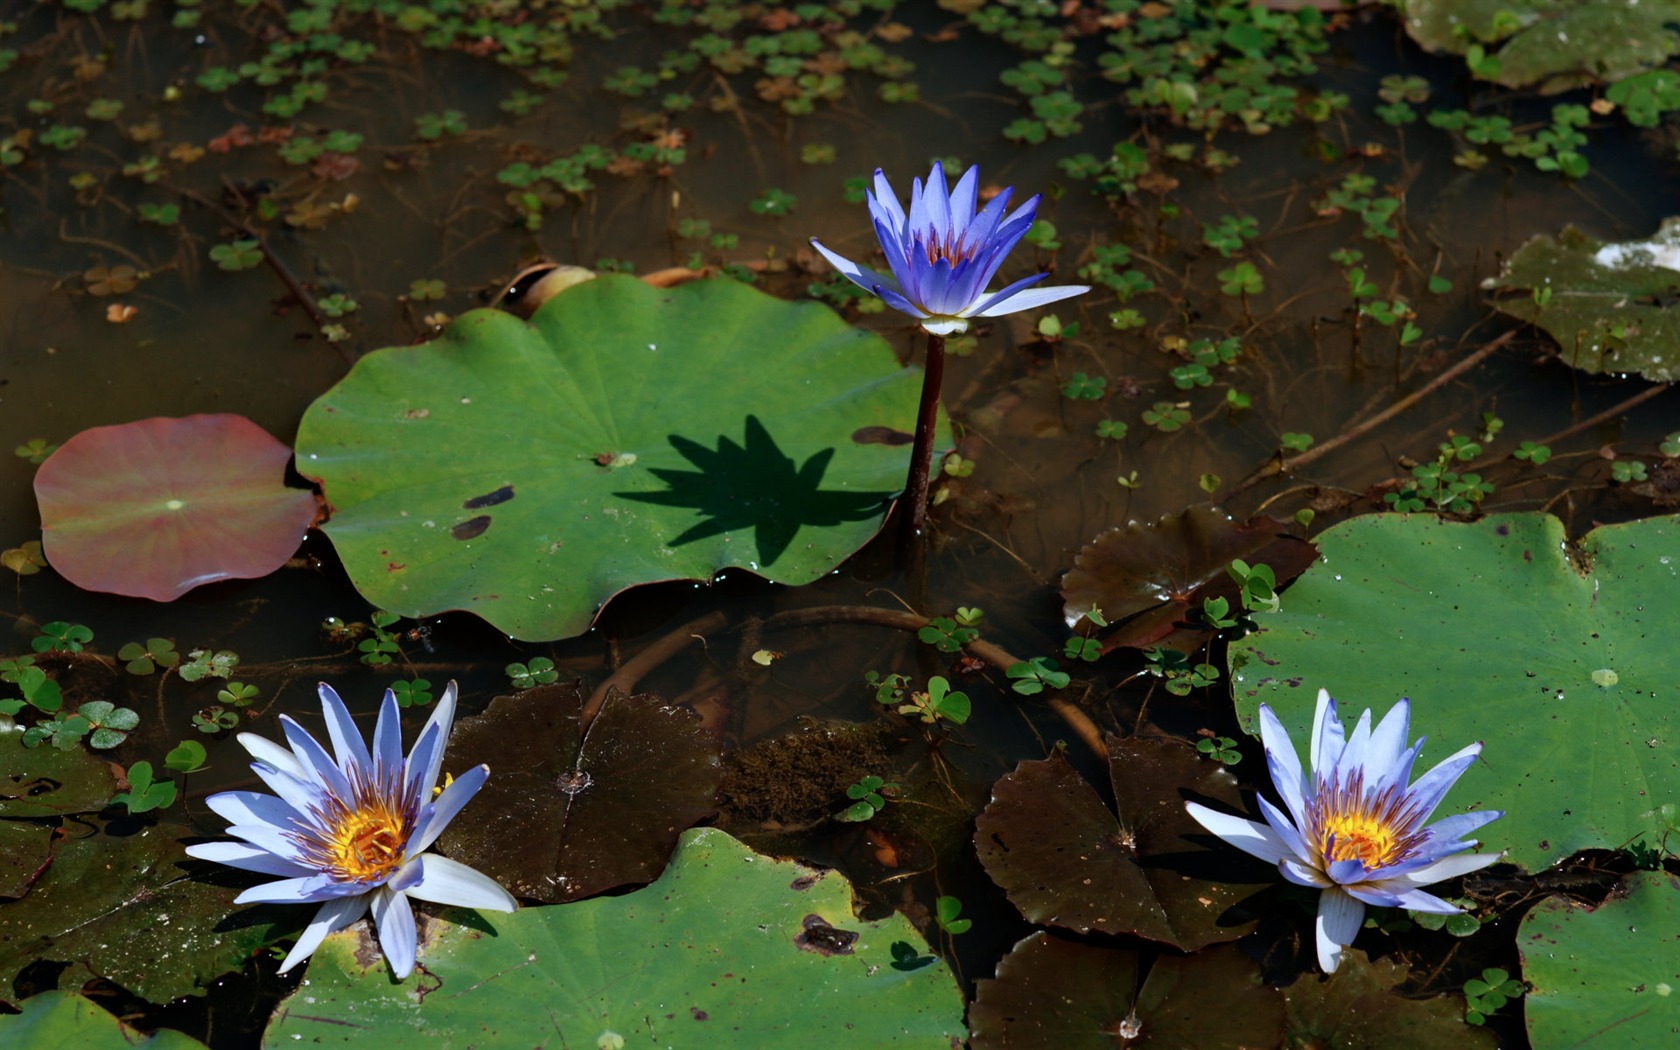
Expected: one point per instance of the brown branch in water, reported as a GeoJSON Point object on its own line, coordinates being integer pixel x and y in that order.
{"type": "Point", "coordinates": [1610, 413]}
{"type": "Point", "coordinates": [275, 263]}
{"type": "Point", "coordinates": [632, 670]}
{"type": "Point", "coordinates": [1277, 465]}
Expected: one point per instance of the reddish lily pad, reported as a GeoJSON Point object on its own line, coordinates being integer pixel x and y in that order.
{"type": "Point", "coordinates": [1054, 994]}
{"type": "Point", "coordinates": [1360, 1005]}
{"type": "Point", "coordinates": [159, 506]}
{"type": "Point", "coordinates": [1147, 577]}
{"type": "Point", "coordinates": [1065, 860]}
{"type": "Point", "coordinates": [591, 808]}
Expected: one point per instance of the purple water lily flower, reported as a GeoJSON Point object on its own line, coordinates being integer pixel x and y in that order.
{"type": "Point", "coordinates": [1354, 829]}
{"type": "Point", "coordinates": [943, 254]}
{"type": "Point", "coordinates": [348, 830]}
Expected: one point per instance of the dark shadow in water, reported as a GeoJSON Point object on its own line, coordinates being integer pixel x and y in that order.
{"type": "Point", "coordinates": [756, 486]}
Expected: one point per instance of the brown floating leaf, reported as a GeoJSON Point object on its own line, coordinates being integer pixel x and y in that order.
{"type": "Point", "coordinates": [588, 811]}
{"type": "Point", "coordinates": [1062, 995]}
{"type": "Point", "coordinates": [1147, 576]}
{"type": "Point", "coordinates": [1358, 1006]}
{"type": "Point", "coordinates": [1065, 860]}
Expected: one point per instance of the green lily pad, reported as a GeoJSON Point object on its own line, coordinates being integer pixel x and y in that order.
{"type": "Point", "coordinates": [1556, 44]}
{"type": "Point", "coordinates": [121, 907]}
{"type": "Point", "coordinates": [48, 782]}
{"type": "Point", "coordinates": [1053, 994]}
{"type": "Point", "coordinates": [729, 948]}
{"type": "Point", "coordinates": [67, 1021]}
{"type": "Point", "coordinates": [157, 507]}
{"type": "Point", "coordinates": [591, 810]}
{"type": "Point", "coordinates": [1360, 1005]}
{"type": "Point", "coordinates": [1609, 974]}
{"type": "Point", "coordinates": [1558, 656]}
{"type": "Point", "coordinates": [1065, 860]}
{"type": "Point", "coordinates": [1609, 305]}
{"type": "Point", "coordinates": [627, 434]}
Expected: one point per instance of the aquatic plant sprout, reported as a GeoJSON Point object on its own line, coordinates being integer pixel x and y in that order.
{"type": "Point", "coordinates": [349, 830]}
{"type": "Point", "coordinates": [1355, 830]}
{"type": "Point", "coordinates": [943, 254]}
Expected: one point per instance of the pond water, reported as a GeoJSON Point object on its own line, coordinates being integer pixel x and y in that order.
{"type": "Point", "coordinates": [1097, 412]}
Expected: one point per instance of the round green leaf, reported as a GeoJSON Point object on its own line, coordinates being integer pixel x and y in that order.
{"type": "Point", "coordinates": [627, 434]}
{"type": "Point", "coordinates": [157, 507]}
{"type": "Point", "coordinates": [729, 948]}
{"type": "Point", "coordinates": [61, 1020]}
{"type": "Point", "coordinates": [1608, 975]}
{"type": "Point", "coordinates": [1558, 656]}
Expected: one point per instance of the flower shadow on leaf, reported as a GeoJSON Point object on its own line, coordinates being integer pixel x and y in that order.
{"type": "Point", "coordinates": [755, 485]}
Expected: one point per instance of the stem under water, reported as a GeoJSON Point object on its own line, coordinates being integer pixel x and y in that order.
{"type": "Point", "coordinates": [921, 453]}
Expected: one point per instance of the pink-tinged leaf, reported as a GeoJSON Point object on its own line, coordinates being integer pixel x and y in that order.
{"type": "Point", "coordinates": [159, 506]}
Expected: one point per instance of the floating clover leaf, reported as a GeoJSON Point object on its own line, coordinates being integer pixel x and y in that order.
{"type": "Point", "coordinates": [239, 694]}
{"type": "Point", "coordinates": [35, 450]}
{"type": "Point", "coordinates": [940, 701]}
{"type": "Point", "coordinates": [943, 634]}
{"type": "Point", "coordinates": [433, 126]}
{"type": "Point", "coordinates": [59, 636]}
{"type": "Point", "coordinates": [1036, 675]}
{"type": "Point", "coordinates": [540, 671]}
{"type": "Point", "coordinates": [237, 255]}
{"type": "Point", "coordinates": [143, 792]}
{"type": "Point", "coordinates": [1166, 416]}
{"type": "Point", "coordinates": [203, 663]}
{"type": "Point", "coordinates": [1489, 993]}
{"type": "Point", "coordinates": [946, 910]}
{"type": "Point", "coordinates": [186, 757]}
{"type": "Point", "coordinates": [109, 724]}
{"type": "Point", "coordinates": [144, 659]}
{"type": "Point", "coordinates": [25, 559]}
{"type": "Point", "coordinates": [1081, 387]}
{"type": "Point", "coordinates": [417, 693]}
{"type": "Point", "coordinates": [870, 794]}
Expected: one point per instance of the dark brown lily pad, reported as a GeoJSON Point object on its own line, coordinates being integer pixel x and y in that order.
{"type": "Point", "coordinates": [123, 907]}
{"type": "Point", "coordinates": [1065, 860]}
{"type": "Point", "coordinates": [24, 849]}
{"type": "Point", "coordinates": [1147, 577]}
{"type": "Point", "coordinates": [1055, 994]}
{"type": "Point", "coordinates": [1359, 1006]}
{"type": "Point", "coordinates": [590, 810]}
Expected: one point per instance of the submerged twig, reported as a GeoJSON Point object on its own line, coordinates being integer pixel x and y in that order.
{"type": "Point", "coordinates": [1277, 465]}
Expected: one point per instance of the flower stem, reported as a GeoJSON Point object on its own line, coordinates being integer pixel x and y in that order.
{"type": "Point", "coordinates": [921, 453]}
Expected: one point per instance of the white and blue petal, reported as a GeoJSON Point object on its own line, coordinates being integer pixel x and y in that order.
{"type": "Point", "coordinates": [334, 915]}
{"type": "Point", "coordinates": [248, 858]}
{"type": "Point", "coordinates": [436, 816]}
{"type": "Point", "coordinates": [1339, 919]}
{"type": "Point", "coordinates": [398, 938]}
{"type": "Point", "coordinates": [444, 881]}
{"type": "Point", "coordinates": [346, 739]}
{"type": "Point", "coordinates": [1252, 838]}
{"type": "Point", "coordinates": [1284, 764]}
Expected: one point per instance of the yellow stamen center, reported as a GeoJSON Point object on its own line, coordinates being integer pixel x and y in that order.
{"type": "Point", "coordinates": [1345, 824]}
{"type": "Point", "coordinates": [1361, 837]}
{"type": "Point", "coordinates": [365, 843]}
